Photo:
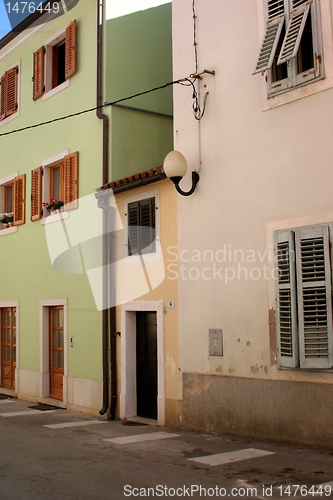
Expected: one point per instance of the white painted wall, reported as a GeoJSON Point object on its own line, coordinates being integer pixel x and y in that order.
{"type": "Point", "coordinates": [263, 162]}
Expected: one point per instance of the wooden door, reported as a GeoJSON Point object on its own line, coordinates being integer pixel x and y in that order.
{"type": "Point", "coordinates": [8, 347]}
{"type": "Point", "coordinates": [56, 351]}
{"type": "Point", "coordinates": [146, 364]}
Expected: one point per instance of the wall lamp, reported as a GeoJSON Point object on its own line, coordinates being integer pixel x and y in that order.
{"type": "Point", "coordinates": [175, 166]}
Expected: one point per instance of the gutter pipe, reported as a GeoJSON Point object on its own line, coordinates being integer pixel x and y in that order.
{"type": "Point", "coordinates": [108, 314]}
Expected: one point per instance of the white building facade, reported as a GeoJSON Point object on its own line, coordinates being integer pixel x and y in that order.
{"type": "Point", "coordinates": [254, 261]}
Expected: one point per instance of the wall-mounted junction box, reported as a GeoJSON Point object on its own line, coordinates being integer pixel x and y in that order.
{"type": "Point", "coordinates": [215, 343]}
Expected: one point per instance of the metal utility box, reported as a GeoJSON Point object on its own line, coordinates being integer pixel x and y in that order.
{"type": "Point", "coordinates": [215, 343]}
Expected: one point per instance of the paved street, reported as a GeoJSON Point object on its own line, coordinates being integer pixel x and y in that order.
{"type": "Point", "coordinates": [61, 455]}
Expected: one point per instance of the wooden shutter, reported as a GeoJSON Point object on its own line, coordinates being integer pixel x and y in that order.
{"type": "Point", "coordinates": [286, 310]}
{"type": "Point", "coordinates": [3, 97]}
{"type": "Point", "coordinates": [294, 32]}
{"type": "Point", "coordinates": [39, 58]}
{"type": "Point", "coordinates": [36, 193]}
{"type": "Point", "coordinates": [70, 61]}
{"type": "Point", "coordinates": [11, 104]}
{"type": "Point", "coordinates": [314, 297]}
{"type": "Point", "coordinates": [19, 200]}
{"type": "Point", "coordinates": [272, 35]}
{"type": "Point", "coordinates": [71, 186]}
{"type": "Point", "coordinates": [147, 225]}
{"type": "Point", "coordinates": [133, 218]}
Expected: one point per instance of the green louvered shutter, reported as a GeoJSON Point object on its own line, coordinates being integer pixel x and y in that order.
{"type": "Point", "coordinates": [314, 297]}
{"type": "Point", "coordinates": [147, 225]}
{"type": "Point", "coordinates": [133, 227]}
{"type": "Point", "coordinates": [286, 310]}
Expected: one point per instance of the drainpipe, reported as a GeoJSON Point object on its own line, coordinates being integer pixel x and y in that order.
{"type": "Point", "coordinates": [108, 315]}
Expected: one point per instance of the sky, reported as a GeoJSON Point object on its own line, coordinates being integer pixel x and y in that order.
{"type": "Point", "coordinates": [114, 8]}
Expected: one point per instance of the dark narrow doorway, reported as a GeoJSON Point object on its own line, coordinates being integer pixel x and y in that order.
{"type": "Point", "coordinates": [146, 364]}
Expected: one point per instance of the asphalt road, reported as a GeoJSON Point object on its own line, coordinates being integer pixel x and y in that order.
{"type": "Point", "coordinates": [57, 455]}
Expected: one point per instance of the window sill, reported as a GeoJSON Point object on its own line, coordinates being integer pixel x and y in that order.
{"type": "Point", "coordinates": [296, 93]}
{"type": "Point", "coordinates": [57, 89]}
{"type": "Point", "coordinates": [9, 118]}
{"type": "Point", "coordinates": [146, 257]}
{"type": "Point", "coordinates": [9, 230]}
{"type": "Point", "coordinates": [54, 218]}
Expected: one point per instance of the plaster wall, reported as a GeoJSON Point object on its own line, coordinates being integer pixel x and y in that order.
{"type": "Point", "coordinates": [29, 276]}
{"type": "Point", "coordinates": [264, 164]}
{"type": "Point", "coordinates": [163, 289]}
{"type": "Point", "coordinates": [141, 126]}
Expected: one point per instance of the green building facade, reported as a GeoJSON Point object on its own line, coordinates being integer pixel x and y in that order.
{"type": "Point", "coordinates": [51, 297]}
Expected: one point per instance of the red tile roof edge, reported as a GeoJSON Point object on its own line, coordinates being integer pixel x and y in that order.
{"type": "Point", "coordinates": [133, 178]}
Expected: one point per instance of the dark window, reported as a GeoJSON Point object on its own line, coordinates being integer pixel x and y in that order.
{"type": "Point", "coordinates": [141, 227]}
{"type": "Point", "coordinates": [58, 64]}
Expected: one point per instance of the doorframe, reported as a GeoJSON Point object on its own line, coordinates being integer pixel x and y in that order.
{"type": "Point", "coordinates": [14, 303]}
{"type": "Point", "coordinates": [128, 397]}
{"type": "Point", "coordinates": [44, 347]}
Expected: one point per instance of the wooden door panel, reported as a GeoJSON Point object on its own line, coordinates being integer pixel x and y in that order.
{"type": "Point", "coordinates": [8, 347]}
{"type": "Point", "coordinates": [56, 337]}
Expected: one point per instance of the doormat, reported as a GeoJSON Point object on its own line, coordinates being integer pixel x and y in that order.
{"type": "Point", "coordinates": [43, 407]}
{"type": "Point", "coordinates": [131, 422]}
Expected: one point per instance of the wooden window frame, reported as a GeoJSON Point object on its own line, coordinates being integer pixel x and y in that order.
{"type": "Point", "coordinates": [41, 184]}
{"type": "Point", "coordinates": [304, 297]}
{"type": "Point", "coordinates": [45, 63]}
{"type": "Point", "coordinates": [18, 182]}
{"type": "Point", "coordinates": [274, 60]}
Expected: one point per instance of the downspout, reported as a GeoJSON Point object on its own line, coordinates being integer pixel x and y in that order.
{"type": "Point", "coordinates": [108, 315]}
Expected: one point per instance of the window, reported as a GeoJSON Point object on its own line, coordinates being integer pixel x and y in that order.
{"type": "Point", "coordinates": [304, 297]}
{"type": "Point", "coordinates": [291, 53]}
{"type": "Point", "coordinates": [55, 62]}
{"type": "Point", "coordinates": [141, 226]}
{"type": "Point", "coordinates": [56, 179]}
{"type": "Point", "coordinates": [12, 197]}
{"type": "Point", "coordinates": [9, 93]}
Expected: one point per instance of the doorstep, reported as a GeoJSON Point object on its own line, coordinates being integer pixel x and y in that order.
{"type": "Point", "coordinates": [142, 420]}
{"type": "Point", "coordinates": [52, 402]}
{"type": "Point", "coordinates": [8, 392]}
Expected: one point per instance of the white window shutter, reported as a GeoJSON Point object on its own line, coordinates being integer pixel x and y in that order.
{"type": "Point", "coordinates": [269, 44]}
{"type": "Point", "coordinates": [286, 309]}
{"type": "Point", "coordinates": [275, 8]}
{"type": "Point", "coordinates": [294, 32]}
{"type": "Point", "coordinates": [274, 25]}
{"type": "Point", "coordinates": [314, 297]}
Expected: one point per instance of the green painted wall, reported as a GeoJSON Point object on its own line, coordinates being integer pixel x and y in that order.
{"type": "Point", "coordinates": [139, 58]}
{"type": "Point", "coordinates": [26, 273]}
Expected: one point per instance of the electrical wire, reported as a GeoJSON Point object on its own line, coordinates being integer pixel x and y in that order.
{"type": "Point", "coordinates": [181, 81]}
{"type": "Point", "coordinates": [195, 36]}
{"type": "Point", "coordinates": [198, 113]}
